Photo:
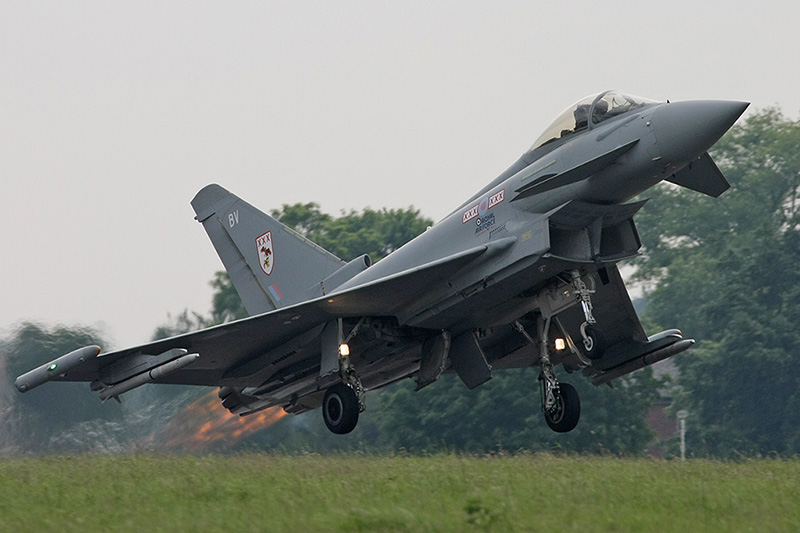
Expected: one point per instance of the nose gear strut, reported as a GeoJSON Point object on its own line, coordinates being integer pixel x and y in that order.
{"type": "Point", "coordinates": [584, 297]}
{"type": "Point", "coordinates": [592, 338]}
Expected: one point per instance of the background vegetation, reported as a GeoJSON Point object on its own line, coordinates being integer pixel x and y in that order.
{"type": "Point", "coordinates": [724, 270]}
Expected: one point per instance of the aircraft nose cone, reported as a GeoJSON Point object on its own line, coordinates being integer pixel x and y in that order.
{"type": "Point", "coordinates": [685, 130]}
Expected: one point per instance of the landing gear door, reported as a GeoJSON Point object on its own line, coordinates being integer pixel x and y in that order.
{"type": "Point", "coordinates": [469, 360]}
{"type": "Point", "coordinates": [331, 338]}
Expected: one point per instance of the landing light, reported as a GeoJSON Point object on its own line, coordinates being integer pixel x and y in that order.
{"type": "Point", "coordinates": [561, 344]}
{"type": "Point", "coordinates": [52, 367]}
{"type": "Point", "coordinates": [344, 350]}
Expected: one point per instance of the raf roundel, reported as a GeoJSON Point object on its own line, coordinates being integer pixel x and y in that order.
{"type": "Point", "coordinates": [483, 207]}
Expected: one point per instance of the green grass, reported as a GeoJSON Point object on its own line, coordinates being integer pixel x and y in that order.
{"type": "Point", "coordinates": [357, 493]}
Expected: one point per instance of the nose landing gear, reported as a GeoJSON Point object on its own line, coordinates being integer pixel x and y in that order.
{"type": "Point", "coordinates": [593, 341]}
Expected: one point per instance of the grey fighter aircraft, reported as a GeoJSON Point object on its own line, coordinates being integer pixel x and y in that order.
{"type": "Point", "coordinates": [523, 273]}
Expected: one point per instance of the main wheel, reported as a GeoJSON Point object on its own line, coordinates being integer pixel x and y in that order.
{"type": "Point", "coordinates": [340, 409]}
{"type": "Point", "coordinates": [567, 411]}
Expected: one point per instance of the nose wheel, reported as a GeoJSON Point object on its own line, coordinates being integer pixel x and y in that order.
{"type": "Point", "coordinates": [593, 341]}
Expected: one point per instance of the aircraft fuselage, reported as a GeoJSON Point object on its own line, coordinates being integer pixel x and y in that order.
{"type": "Point", "coordinates": [604, 164]}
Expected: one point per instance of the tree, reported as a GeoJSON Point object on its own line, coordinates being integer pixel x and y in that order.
{"type": "Point", "coordinates": [64, 418]}
{"type": "Point", "coordinates": [504, 414]}
{"type": "Point", "coordinates": [726, 270]}
{"type": "Point", "coordinates": [376, 233]}
{"type": "Point", "coordinates": [183, 323]}
{"type": "Point", "coordinates": [148, 409]}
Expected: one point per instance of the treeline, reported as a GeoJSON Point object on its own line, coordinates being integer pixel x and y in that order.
{"type": "Point", "coordinates": [724, 270]}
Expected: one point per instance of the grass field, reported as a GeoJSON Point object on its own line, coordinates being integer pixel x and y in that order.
{"type": "Point", "coordinates": [357, 493]}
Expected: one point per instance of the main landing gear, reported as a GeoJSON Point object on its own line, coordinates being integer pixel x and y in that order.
{"type": "Point", "coordinates": [561, 404]}
{"type": "Point", "coordinates": [344, 401]}
{"type": "Point", "coordinates": [340, 409]}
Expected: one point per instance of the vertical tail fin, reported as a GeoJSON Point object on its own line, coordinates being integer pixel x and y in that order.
{"type": "Point", "coordinates": [270, 265]}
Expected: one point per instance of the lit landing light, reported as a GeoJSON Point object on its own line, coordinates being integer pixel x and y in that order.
{"type": "Point", "coordinates": [344, 350]}
{"type": "Point", "coordinates": [561, 344]}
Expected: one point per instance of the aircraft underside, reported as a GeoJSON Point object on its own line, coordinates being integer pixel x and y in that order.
{"type": "Point", "coordinates": [529, 320]}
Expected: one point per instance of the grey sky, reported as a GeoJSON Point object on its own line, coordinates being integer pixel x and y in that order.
{"type": "Point", "coordinates": [115, 114]}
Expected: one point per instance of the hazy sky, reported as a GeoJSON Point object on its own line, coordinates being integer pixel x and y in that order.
{"type": "Point", "coordinates": [113, 115]}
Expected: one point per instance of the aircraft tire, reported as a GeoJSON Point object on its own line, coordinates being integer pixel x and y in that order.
{"type": "Point", "coordinates": [567, 413]}
{"type": "Point", "coordinates": [594, 350]}
{"type": "Point", "coordinates": [340, 409]}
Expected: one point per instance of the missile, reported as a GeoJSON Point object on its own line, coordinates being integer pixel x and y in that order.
{"type": "Point", "coordinates": [641, 362]}
{"type": "Point", "coordinates": [154, 374]}
{"type": "Point", "coordinates": [56, 367]}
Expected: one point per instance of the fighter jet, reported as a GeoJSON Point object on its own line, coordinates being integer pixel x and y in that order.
{"type": "Point", "coordinates": [522, 274]}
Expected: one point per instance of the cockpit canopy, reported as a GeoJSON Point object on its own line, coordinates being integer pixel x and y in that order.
{"type": "Point", "coordinates": [599, 107]}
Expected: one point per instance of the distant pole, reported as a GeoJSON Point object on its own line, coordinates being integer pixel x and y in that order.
{"type": "Point", "coordinates": [682, 414]}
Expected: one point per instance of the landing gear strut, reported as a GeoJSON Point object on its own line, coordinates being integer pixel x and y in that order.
{"type": "Point", "coordinates": [561, 404]}
{"type": "Point", "coordinates": [593, 342]}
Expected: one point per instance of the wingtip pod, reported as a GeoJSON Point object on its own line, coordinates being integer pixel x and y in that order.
{"type": "Point", "coordinates": [56, 367]}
